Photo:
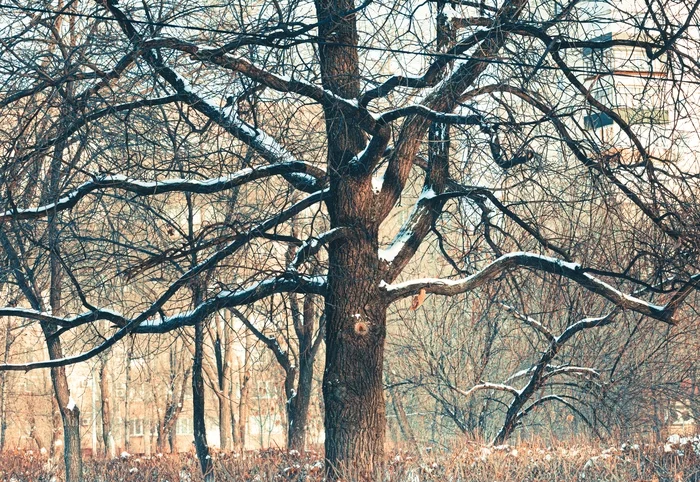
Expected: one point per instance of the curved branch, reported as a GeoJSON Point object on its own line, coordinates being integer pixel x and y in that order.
{"type": "Point", "coordinates": [131, 326]}
{"type": "Point", "coordinates": [150, 188]}
{"type": "Point", "coordinates": [314, 245]}
{"type": "Point", "coordinates": [572, 271]}
{"type": "Point", "coordinates": [315, 285]}
{"type": "Point", "coordinates": [487, 386]}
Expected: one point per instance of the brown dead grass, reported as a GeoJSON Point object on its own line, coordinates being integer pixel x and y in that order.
{"type": "Point", "coordinates": [471, 462]}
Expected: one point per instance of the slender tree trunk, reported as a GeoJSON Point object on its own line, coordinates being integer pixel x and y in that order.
{"type": "Point", "coordinates": [32, 432]}
{"type": "Point", "coordinates": [298, 408]}
{"type": "Point", "coordinates": [56, 427]}
{"type": "Point", "coordinates": [224, 422]}
{"type": "Point", "coordinates": [403, 423]}
{"type": "Point", "coordinates": [3, 385]}
{"type": "Point", "coordinates": [298, 411]}
{"type": "Point", "coordinates": [243, 402]}
{"type": "Point", "coordinates": [223, 351]}
{"type": "Point", "coordinates": [127, 395]}
{"type": "Point", "coordinates": [105, 401]}
{"type": "Point", "coordinates": [173, 407]}
{"type": "Point", "coordinates": [235, 442]}
{"type": "Point", "coordinates": [70, 413]}
{"type": "Point", "coordinates": [198, 409]}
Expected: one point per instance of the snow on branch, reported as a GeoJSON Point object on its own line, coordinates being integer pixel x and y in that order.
{"type": "Point", "coordinates": [407, 239]}
{"type": "Point", "coordinates": [553, 370]}
{"type": "Point", "coordinates": [146, 323]}
{"type": "Point", "coordinates": [433, 115]}
{"type": "Point", "coordinates": [572, 370]}
{"type": "Point", "coordinates": [229, 299]}
{"type": "Point", "coordinates": [148, 188]}
{"type": "Point", "coordinates": [227, 117]}
{"type": "Point", "coordinates": [72, 322]}
{"type": "Point", "coordinates": [313, 245]}
{"type": "Point", "coordinates": [241, 240]}
{"type": "Point", "coordinates": [531, 322]}
{"type": "Point", "coordinates": [547, 264]}
{"type": "Point", "coordinates": [487, 386]}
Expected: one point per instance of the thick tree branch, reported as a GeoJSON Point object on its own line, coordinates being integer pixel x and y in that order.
{"type": "Point", "coordinates": [546, 264]}
{"type": "Point", "coordinates": [149, 188]}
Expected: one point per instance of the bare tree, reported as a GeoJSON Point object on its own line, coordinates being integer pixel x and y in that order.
{"type": "Point", "coordinates": [488, 126]}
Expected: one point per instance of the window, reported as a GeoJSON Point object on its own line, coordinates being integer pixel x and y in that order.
{"type": "Point", "coordinates": [598, 60]}
{"type": "Point", "coordinates": [184, 426]}
{"type": "Point", "coordinates": [136, 427]}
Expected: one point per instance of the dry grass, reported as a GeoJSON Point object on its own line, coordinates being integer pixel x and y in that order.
{"type": "Point", "coordinates": [472, 462]}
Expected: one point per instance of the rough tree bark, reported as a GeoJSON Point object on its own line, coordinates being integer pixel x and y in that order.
{"type": "Point", "coordinates": [355, 416]}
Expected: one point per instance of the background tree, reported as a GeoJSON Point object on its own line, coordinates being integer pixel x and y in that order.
{"type": "Point", "coordinates": [484, 121]}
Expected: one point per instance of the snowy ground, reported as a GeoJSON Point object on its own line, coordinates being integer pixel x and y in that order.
{"type": "Point", "coordinates": [677, 460]}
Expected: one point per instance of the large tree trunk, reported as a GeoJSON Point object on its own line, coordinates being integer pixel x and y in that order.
{"type": "Point", "coordinates": [353, 391]}
{"type": "Point", "coordinates": [355, 417]}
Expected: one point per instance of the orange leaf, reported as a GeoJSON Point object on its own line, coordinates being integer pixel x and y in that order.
{"type": "Point", "coordinates": [418, 300]}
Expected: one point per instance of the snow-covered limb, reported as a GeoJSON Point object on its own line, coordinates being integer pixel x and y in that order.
{"type": "Point", "coordinates": [435, 116]}
{"type": "Point", "coordinates": [228, 299]}
{"type": "Point", "coordinates": [349, 107]}
{"type": "Point", "coordinates": [147, 188]}
{"type": "Point", "coordinates": [568, 370]}
{"type": "Point", "coordinates": [83, 318]}
{"type": "Point", "coordinates": [531, 322]}
{"type": "Point", "coordinates": [267, 147]}
{"type": "Point", "coordinates": [411, 233]}
{"type": "Point", "coordinates": [134, 324]}
{"type": "Point", "coordinates": [553, 370]}
{"type": "Point", "coordinates": [487, 386]}
{"type": "Point", "coordinates": [148, 324]}
{"type": "Point", "coordinates": [542, 370]}
{"type": "Point", "coordinates": [547, 264]}
{"type": "Point", "coordinates": [312, 245]}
